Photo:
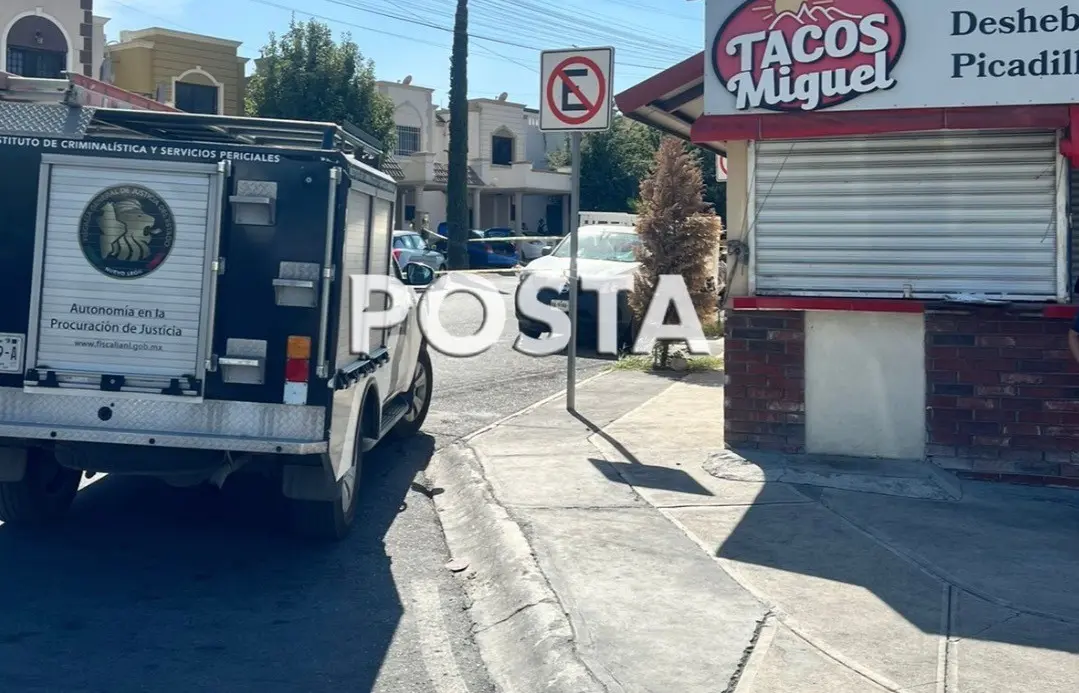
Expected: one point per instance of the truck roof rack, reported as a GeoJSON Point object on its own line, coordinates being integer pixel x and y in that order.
{"type": "Point", "coordinates": [263, 132]}
{"type": "Point", "coordinates": [146, 119]}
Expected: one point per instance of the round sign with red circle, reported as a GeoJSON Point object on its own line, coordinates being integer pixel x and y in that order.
{"type": "Point", "coordinates": [564, 76]}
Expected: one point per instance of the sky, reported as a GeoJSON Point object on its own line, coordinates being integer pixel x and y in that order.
{"type": "Point", "coordinates": [413, 37]}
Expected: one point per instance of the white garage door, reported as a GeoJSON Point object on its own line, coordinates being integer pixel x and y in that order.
{"type": "Point", "coordinates": [925, 215]}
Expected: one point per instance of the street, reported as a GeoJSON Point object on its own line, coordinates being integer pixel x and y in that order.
{"type": "Point", "coordinates": [152, 588]}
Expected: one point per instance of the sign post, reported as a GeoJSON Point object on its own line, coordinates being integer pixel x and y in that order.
{"type": "Point", "coordinates": [575, 97]}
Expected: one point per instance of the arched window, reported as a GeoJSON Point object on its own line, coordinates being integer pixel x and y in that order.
{"type": "Point", "coordinates": [197, 91]}
{"type": "Point", "coordinates": [35, 46]}
{"type": "Point", "coordinates": [502, 143]}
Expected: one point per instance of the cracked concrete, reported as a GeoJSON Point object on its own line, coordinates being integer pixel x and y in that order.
{"type": "Point", "coordinates": [645, 562]}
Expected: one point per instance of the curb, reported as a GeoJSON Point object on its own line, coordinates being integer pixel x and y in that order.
{"type": "Point", "coordinates": [524, 636]}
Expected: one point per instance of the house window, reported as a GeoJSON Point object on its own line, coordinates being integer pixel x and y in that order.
{"type": "Point", "coordinates": [196, 98]}
{"type": "Point", "coordinates": [501, 150]}
{"type": "Point", "coordinates": [408, 140]}
{"type": "Point", "coordinates": [28, 62]}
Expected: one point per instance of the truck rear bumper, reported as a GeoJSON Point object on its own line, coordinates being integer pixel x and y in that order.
{"type": "Point", "coordinates": [123, 419]}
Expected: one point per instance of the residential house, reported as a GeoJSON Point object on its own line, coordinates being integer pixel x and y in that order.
{"type": "Point", "coordinates": [194, 73]}
{"type": "Point", "coordinates": [509, 181]}
{"type": "Point", "coordinates": [48, 38]}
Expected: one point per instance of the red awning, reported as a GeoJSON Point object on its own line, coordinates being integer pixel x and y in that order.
{"type": "Point", "coordinates": [671, 101]}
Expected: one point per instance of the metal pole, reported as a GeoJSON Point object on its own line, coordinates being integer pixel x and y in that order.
{"type": "Point", "coordinates": [574, 222]}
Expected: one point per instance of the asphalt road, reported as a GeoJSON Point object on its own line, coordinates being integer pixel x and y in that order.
{"type": "Point", "coordinates": [149, 588]}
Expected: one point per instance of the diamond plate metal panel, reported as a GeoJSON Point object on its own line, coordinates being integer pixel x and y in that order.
{"type": "Point", "coordinates": [218, 425]}
{"type": "Point", "coordinates": [299, 270]}
{"type": "Point", "coordinates": [257, 188]}
{"type": "Point", "coordinates": [53, 120]}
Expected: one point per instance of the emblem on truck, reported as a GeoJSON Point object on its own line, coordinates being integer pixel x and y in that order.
{"type": "Point", "coordinates": [806, 55]}
{"type": "Point", "coordinates": [126, 231]}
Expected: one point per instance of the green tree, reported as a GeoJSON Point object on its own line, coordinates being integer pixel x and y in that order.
{"type": "Point", "coordinates": [306, 75]}
{"type": "Point", "coordinates": [457, 182]}
{"type": "Point", "coordinates": [679, 233]}
{"type": "Point", "coordinates": [613, 164]}
{"type": "Point", "coordinates": [715, 192]}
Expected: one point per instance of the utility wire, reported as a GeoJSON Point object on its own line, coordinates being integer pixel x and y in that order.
{"type": "Point", "coordinates": [363, 7]}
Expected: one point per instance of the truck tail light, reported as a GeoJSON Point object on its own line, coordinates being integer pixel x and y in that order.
{"type": "Point", "coordinates": [297, 369]}
{"type": "Point", "coordinates": [397, 255]}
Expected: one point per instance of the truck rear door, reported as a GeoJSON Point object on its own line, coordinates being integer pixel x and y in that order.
{"type": "Point", "coordinates": [125, 273]}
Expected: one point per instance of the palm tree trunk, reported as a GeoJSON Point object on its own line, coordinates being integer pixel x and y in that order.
{"type": "Point", "coordinates": [457, 184]}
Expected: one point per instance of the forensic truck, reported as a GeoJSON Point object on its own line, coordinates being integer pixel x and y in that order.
{"type": "Point", "coordinates": [176, 304]}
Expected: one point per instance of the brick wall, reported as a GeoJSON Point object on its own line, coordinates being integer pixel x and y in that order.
{"type": "Point", "coordinates": [1003, 395]}
{"type": "Point", "coordinates": [764, 357]}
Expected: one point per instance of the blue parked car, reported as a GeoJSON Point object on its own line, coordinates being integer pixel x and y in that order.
{"type": "Point", "coordinates": [484, 251]}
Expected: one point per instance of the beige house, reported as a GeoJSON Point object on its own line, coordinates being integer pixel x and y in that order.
{"type": "Point", "coordinates": [509, 181]}
{"type": "Point", "coordinates": [46, 38]}
{"type": "Point", "coordinates": [194, 73]}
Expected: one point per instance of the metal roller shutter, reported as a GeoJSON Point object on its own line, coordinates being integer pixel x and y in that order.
{"type": "Point", "coordinates": [919, 215]}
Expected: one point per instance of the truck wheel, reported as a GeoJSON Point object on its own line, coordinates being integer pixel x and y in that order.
{"type": "Point", "coordinates": [531, 331]}
{"type": "Point", "coordinates": [330, 520]}
{"type": "Point", "coordinates": [421, 399]}
{"type": "Point", "coordinates": [44, 494]}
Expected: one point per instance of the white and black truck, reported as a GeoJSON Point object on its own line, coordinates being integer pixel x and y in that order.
{"type": "Point", "coordinates": [176, 304]}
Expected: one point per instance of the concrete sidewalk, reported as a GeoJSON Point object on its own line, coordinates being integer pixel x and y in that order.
{"type": "Point", "coordinates": [622, 551]}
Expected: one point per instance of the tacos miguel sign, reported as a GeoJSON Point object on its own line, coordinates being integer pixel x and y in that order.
{"type": "Point", "coordinates": [806, 55]}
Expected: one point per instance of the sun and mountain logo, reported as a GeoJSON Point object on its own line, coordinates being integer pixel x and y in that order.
{"type": "Point", "coordinates": [806, 55]}
{"type": "Point", "coordinates": [126, 231]}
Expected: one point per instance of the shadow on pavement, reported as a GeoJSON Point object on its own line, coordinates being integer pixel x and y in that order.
{"type": "Point", "coordinates": [643, 475]}
{"type": "Point", "coordinates": [1012, 560]}
{"type": "Point", "coordinates": [152, 588]}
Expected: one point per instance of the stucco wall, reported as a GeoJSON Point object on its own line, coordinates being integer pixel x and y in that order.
{"type": "Point", "coordinates": [174, 55]}
{"type": "Point", "coordinates": [413, 108]}
{"type": "Point", "coordinates": [133, 69]}
{"type": "Point", "coordinates": [865, 384]}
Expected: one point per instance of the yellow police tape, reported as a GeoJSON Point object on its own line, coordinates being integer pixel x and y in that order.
{"type": "Point", "coordinates": [500, 239]}
{"type": "Point", "coordinates": [509, 271]}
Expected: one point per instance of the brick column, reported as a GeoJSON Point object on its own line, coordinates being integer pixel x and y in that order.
{"type": "Point", "coordinates": [764, 357]}
{"type": "Point", "coordinates": [84, 51]}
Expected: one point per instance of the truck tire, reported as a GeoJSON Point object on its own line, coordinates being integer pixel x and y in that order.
{"type": "Point", "coordinates": [44, 494]}
{"type": "Point", "coordinates": [330, 520]}
{"type": "Point", "coordinates": [420, 392]}
{"type": "Point", "coordinates": [531, 331]}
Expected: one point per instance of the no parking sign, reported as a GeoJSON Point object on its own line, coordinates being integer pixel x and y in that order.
{"type": "Point", "coordinates": [575, 89]}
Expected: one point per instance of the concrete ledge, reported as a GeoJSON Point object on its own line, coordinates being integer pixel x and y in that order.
{"type": "Point", "coordinates": [907, 479]}
{"type": "Point", "coordinates": [524, 635]}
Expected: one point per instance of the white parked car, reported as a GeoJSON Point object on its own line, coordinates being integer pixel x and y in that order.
{"type": "Point", "coordinates": [604, 251]}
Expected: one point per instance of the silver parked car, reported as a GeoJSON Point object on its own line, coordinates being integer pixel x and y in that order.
{"type": "Point", "coordinates": [409, 246]}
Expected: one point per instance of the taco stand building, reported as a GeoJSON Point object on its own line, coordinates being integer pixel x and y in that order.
{"type": "Point", "coordinates": [903, 258]}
